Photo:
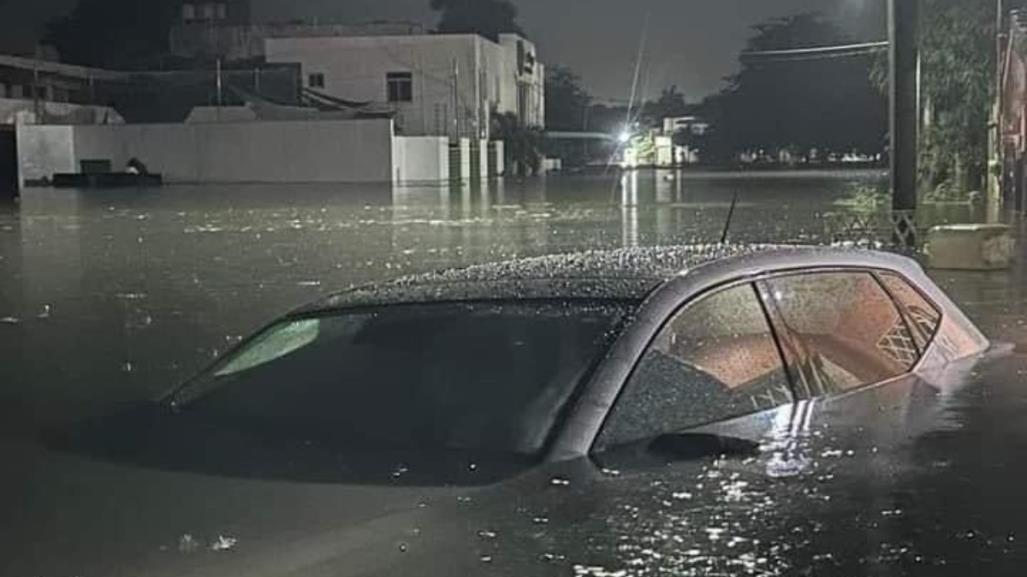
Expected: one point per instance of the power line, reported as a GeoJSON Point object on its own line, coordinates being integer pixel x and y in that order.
{"type": "Point", "coordinates": [838, 51]}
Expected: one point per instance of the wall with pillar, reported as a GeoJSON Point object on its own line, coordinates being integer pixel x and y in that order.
{"type": "Point", "coordinates": [323, 151]}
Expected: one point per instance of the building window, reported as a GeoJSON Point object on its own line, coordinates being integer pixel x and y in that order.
{"type": "Point", "coordinates": [400, 86]}
{"type": "Point", "coordinates": [221, 11]}
{"type": "Point", "coordinates": [316, 80]}
{"type": "Point", "coordinates": [208, 12]}
{"type": "Point", "coordinates": [188, 12]}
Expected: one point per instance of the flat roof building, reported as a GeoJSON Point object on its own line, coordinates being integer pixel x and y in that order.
{"type": "Point", "coordinates": [436, 84]}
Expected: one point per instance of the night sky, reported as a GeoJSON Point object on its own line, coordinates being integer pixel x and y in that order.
{"type": "Point", "coordinates": [692, 43]}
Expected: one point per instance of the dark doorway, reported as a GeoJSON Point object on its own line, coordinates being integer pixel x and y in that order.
{"type": "Point", "coordinates": [8, 163]}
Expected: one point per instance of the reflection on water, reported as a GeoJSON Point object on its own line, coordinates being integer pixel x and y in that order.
{"type": "Point", "coordinates": [121, 294]}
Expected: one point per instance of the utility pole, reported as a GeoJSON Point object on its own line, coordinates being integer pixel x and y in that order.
{"type": "Point", "coordinates": [456, 99]}
{"type": "Point", "coordinates": [996, 165]}
{"type": "Point", "coordinates": [903, 56]}
{"type": "Point", "coordinates": [37, 105]}
{"type": "Point", "coordinates": [220, 86]}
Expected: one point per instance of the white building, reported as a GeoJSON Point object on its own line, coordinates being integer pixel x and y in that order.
{"type": "Point", "coordinates": [437, 84]}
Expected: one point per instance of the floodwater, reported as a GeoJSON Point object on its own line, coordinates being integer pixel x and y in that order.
{"type": "Point", "coordinates": [114, 296]}
{"type": "Point", "coordinates": [119, 295]}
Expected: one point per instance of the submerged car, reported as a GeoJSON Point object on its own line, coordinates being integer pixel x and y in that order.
{"type": "Point", "coordinates": [697, 410]}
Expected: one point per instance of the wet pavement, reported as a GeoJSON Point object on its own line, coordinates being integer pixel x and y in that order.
{"type": "Point", "coordinates": [110, 297]}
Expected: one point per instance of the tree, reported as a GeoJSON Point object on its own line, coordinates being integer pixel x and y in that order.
{"type": "Point", "coordinates": [567, 103]}
{"type": "Point", "coordinates": [523, 145]}
{"type": "Point", "coordinates": [800, 105]}
{"type": "Point", "coordinates": [670, 104]}
{"type": "Point", "coordinates": [958, 88]}
{"type": "Point", "coordinates": [489, 18]}
{"type": "Point", "coordinates": [567, 110]}
{"type": "Point", "coordinates": [113, 33]}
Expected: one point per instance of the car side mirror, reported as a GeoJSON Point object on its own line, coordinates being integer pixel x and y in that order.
{"type": "Point", "coordinates": [690, 446]}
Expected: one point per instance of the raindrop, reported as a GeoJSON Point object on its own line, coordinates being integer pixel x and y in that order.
{"type": "Point", "coordinates": [45, 314]}
{"type": "Point", "coordinates": [127, 367]}
{"type": "Point", "coordinates": [540, 520]}
{"type": "Point", "coordinates": [399, 471]}
{"type": "Point", "coordinates": [9, 321]}
{"type": "Point", "coordinates": [559, 482]}
{"type": "Point", "coordinates": [486, 558]}
{"type": "Point", "coordinates": [402, 547]}
{"type": "Point", "coordinates": [485, 534]}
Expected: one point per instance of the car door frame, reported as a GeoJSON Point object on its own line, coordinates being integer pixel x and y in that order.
{"type": "Point", "coordinates": [585, 419]}
{"type": "Point", "coordinates": [790, 344]}
{"type": "Point", "coordinates": [683, 308]}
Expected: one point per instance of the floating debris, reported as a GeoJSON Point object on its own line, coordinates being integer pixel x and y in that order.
{"type": "Point", "coordinates": [187, 543]}
{"type": "Point", "coordinates": [223, 543]}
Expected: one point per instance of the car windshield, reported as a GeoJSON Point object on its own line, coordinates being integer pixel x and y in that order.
{"type": "Point", "coordinates": [489, 377]}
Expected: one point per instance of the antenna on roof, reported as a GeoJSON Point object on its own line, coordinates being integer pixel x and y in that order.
{"type": "Point", "coordinates": [730, 217]}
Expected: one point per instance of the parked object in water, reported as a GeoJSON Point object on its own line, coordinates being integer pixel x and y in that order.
{"type": "Point", "coordinates": [106, 180]}
{"type": "Point", "coordinates": [970, 247]}
{"type": "Point", "coordinates": [544, 417]}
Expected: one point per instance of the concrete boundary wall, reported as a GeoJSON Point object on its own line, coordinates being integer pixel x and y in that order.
{"type": "Point", "coordinates": [420, 159]}
{"type": "Point", "coordinates": [300, 151]}
{"type": "Point", "coordinates": [44, 150]}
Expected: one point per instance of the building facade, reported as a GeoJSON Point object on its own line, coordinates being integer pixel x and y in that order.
{"type": "Point", "coordinates": [214, 12]}
{"type": "Point", "coordinates": [436, 84]}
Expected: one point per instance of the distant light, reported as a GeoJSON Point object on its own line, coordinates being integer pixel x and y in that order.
{"type": "Point", "coordinates": [625, 137]}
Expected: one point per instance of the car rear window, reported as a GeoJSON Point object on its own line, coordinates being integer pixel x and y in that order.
{"type": "Point", "coordinates": [845, 329]}
{"type": "Point", "coordinates": [924, 317]}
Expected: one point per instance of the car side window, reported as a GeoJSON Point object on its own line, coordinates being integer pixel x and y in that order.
{"type": "Point", "coordinates": [924, 318]}
{"type": "Point", "coordinates": [845, 331]}
{"type": "Point", "coordinates": [714, 360]}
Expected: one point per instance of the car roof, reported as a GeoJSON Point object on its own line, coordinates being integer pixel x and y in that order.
{"type": "Point", "coordinates": [619, 274]}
